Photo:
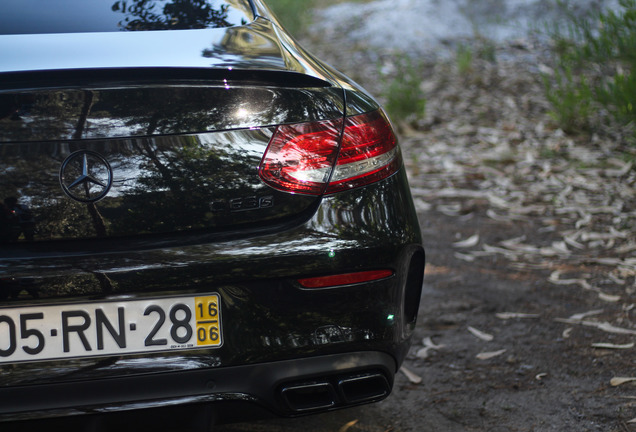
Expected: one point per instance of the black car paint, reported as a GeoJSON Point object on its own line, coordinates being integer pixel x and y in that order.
{"type": "Point", "coordinates": [252, 257]}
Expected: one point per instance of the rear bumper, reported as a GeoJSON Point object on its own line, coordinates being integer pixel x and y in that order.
{"type": "Point", "coordinates": [275, 332]}
{"type": "Point", "coordinates": [283, 388]}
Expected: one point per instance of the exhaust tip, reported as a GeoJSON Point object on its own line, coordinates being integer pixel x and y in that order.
{"type": "Point", "coordinates": [364, 388]}
{"type": "Point", "coordinates": [309, 397]}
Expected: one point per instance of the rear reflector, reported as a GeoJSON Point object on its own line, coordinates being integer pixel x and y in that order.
{"type": "Point", "coordinates": [344, 279]}
{"type": "Point", "coordinates": [325, 157]}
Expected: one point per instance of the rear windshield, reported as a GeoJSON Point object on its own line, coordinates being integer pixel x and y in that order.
{"type": "Point", "coordinates": [77, 16]}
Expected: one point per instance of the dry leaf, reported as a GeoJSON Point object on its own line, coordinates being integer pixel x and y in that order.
{"type": "Point", "coordinates": [616, 381]}
{"type": "Point", "coordinates": [616, 279]}
{"type": "Point", "coordinates": [612, 346]}
{"type": "Point", "coordinates": [629, 247]}
{"type": "Point", "coordinates": [624, 168]}
{"type": "Point", "coordinates": [464, 257]}
{"type": "Point", "coordinates": [608, 297]}
{"type": "Point", "coordinates": [480, 334]}
{"type": "Point", "coordinates": [582, 315]}
{"type": "Point", "coordinates": [469, 242]}
{"type": "Point", "coordinates": [554, 278]}
{"type": "Point", "coordinates": [414, 378]}
{"type": "Point", "coordinates": [494, 216]}
{"type": "Point", "coordinates": [428, 342]}
{"type": "Point", "coordinates": [609, 328]}
{"type": "Point", "coordinates": [566, 333]}
{"type": "Point", "coordinates": [540, 376]}
{"type": "Point", "coordinates": [348, 426]}
{"type": "Point", "coordinates": [489, 355]}
{"type": "Point", "coordinates": [604, 326]}
{"type": "Point", "coordinates": [422, 353]}
{"type": "Point", "coordinates": [511, 315]}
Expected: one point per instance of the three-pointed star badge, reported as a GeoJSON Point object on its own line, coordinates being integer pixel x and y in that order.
{"type": "Point", "coordinates": [86, 176]}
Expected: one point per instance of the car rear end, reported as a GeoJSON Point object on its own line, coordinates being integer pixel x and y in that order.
{"type": "Point", "coordinates": [198, 231]}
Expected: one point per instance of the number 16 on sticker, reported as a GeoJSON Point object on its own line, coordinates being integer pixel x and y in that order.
{"type": "Point", "coordinates": [208, 328]}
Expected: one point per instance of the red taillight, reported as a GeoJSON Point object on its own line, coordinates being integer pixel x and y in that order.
{"type": "Point", "coordinates": [344, 279]}
{"type": "Point", "coordinates": [301, 158]}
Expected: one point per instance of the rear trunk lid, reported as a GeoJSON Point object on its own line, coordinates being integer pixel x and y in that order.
{"type": "Point", "coordinates": [146, 140]}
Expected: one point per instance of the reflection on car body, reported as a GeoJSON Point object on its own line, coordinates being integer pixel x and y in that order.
{"type": "Point", "coordinates": [199, 220]}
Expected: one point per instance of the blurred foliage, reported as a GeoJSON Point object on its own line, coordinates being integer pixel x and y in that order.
{"type": "Point", "coordinates": [571, 98]}
{"type": "Point", "coordinates": [595, 67]}
{"type": "Point", "coordinates": [464, 58]}
{"type": "Point", "coordinates": [295, 15]}
{"type": "Point", "coordinates": [402, 91]}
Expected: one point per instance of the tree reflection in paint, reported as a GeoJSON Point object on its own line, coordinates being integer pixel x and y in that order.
{"type": "Point", "coordinates": [176, 15]}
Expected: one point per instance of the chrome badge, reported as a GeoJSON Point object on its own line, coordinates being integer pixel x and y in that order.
{"type": "Point", "coordinates": [86, 176]}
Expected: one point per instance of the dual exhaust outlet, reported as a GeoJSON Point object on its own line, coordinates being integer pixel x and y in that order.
{"type": "Point", "coordinates": [337, 391]}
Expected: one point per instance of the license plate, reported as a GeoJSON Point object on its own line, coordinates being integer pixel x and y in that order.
{"type": "Point", "coordinates": [110, 328]}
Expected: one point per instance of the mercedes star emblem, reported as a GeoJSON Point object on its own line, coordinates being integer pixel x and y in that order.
{"type": "Point", "coordinates": [86, 176]}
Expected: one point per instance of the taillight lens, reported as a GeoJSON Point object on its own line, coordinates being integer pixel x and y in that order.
{"type": "Point", "coordinates": [306, 158]}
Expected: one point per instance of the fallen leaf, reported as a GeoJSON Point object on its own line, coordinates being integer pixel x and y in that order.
{"type": "Point", "coordinates": [554, 278]}
{"type": "Point", "coordinates": [464, 257]}
{"type": "Point", "coordinates": [428, 342]}
{"type": "Point", "coordinates": [566, 332]}
{"type": "Point", "coordinates": [604, 326]}
{"type": "Point", "coordinates": [609, 328]}
{"type": "Point", "coordinates": [511, 315]}
{"type": "Point", "coordinates": [489, 355]}
{"type": "Point", "coordinates": [469, 242]}
{"type": "Point", "coordinates": [422, 353]}
{"type": "Point", "coordinates": [573, 243]}
{"type": "Point", "coordinates": [540, 376]}
{"type": "Point", "coordinates": [480, 334]}
{"type": "Point", "coordinates": [629, 247]}
{"type": "Point", "coordinates": [582, 315]}
{"type": "Point", "coordinates": [348, 426]}
{"type": "Point", "coordinates": [613, 234]}
{"type": "Point", "coordinates": [414, 378]}
{"type": "Point", "coordinates": [624, 169]}
{"type": "Point", "coordinates": [612, 346]}
{"type": "Point", "coordinates": [608, 297]}
{"type": "Point", "coordinates": [616, 381]}
{"type": "Point", "coordinates": [495, 216]}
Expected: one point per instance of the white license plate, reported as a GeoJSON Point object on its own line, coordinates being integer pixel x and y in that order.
{"type": "Point", "coordinates": [110, 328]}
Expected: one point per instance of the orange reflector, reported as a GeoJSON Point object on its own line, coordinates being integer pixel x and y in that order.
{"type": "Point", "coordinates": [344, 279]}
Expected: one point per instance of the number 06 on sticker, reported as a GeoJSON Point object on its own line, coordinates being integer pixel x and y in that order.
{"type": "Point", "coordinates": [110, 328]}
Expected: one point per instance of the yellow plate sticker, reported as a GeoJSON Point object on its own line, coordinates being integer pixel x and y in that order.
{"type": "Point", "coordinates": [208, 332]}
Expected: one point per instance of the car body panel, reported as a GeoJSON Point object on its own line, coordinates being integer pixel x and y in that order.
{"type": "Point", "coordinates": [180, 121]}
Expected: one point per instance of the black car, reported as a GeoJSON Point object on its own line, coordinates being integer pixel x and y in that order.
{"type": "Point", "coordinates": [198, 221]}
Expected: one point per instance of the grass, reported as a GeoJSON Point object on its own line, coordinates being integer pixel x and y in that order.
{"type": "Point", "coordinates": [595, 69]}
{"type": "Point", "coordinates": [405, 100]}
{"type": "Point", "coordinates": [464, 57]}
{"type": "Point", "coordinates": [572, 100]}
{"type": "Point", "coordinates": [295, 15]}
